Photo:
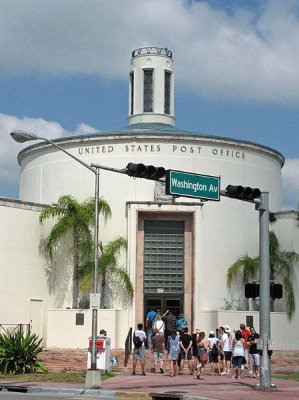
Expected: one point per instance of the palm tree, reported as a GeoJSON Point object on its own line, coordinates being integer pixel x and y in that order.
{"type": "Point", "coordinates": [281, 266]}
{"type": "Point", "coordinates": [108, 270]}
{"type": "Point", "coordinates": [75, 218]}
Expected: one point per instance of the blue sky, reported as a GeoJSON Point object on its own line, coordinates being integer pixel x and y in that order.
{"type": "Point", "coordinates": [64, 70]}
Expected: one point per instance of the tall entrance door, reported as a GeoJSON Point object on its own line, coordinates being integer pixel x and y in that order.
{"type": "Point", "coordinates": [163, 269]}
{"type": "Point", "coordinates": [163, 303]}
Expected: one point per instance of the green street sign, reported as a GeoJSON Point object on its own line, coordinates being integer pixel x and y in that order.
{"type": "Point", "coordinates": [187, 184]}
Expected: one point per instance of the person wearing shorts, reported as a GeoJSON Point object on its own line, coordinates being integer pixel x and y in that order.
{"type": "Point", "coordinates": [203, 349]}
{"type": "Point", "coordinates": [173, 351]}
{"type": "Point", "coordinates": [214, 344]}
{"type": "Point", "coordinates": [139, 352]}
{"type": "Point", "coordinates": [238, 345]}
{"type": "Point", "coordinates": [226, 353]}
{"type": "Point", "coordinates": [186, 350]}
{"type": "Point", "coordinates": [158, 350]}
{"type": "Point", "coordinates": [254, 357]}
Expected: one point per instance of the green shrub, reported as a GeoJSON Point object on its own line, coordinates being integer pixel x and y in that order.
{"type": "Point", "coordinates": [18, 353]}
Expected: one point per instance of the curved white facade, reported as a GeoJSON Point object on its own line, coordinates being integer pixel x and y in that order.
{"type": "Point", "coordinates": [215, 233]}
{"type": "Point", "coordinates": [46, 172]}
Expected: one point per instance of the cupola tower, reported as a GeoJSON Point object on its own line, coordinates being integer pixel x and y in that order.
{"type": "Point", "coordinates": [151, 87]}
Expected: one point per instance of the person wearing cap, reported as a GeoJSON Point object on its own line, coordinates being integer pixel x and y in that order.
{"type": "Point", "coordinates": [214, 344]}
{"type": "Point", "coordinates": [226, 347]}
{"type": "Point", "coordinates": [103, 333]}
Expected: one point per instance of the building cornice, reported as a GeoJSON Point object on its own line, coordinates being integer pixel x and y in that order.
{"type": "Point", "coordinates": [25, 205]}
{"type": "Point", "coordinates": [144, 133]}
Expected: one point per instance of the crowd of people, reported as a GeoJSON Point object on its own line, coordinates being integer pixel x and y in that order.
{"type": "Point", "coordinates": [167, 337]}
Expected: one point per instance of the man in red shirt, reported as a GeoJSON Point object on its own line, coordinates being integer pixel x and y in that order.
{"type": "Point", "coordinates": [245, 335]}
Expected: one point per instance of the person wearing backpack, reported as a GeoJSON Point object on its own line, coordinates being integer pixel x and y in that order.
{"type": "Point", "coordinates": [214, 344]}
{"type": "Point", "coordinates": [139, 337]}
{"type": "Point", "coordinates": [149, 322]}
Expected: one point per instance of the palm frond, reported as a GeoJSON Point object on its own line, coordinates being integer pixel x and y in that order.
{"type": "Point", "coordinates": [57, 233]}
{"type": "Point", "coordinates": [273, 246]}
{"type": "Point", "coordinates": [289, 297]}
{"type": "Point", "coordinates": [86, 277]}
{"type": "Point", "coordinates": [124, 277]}
{"type": "Point", "coordinates": [245, 267]}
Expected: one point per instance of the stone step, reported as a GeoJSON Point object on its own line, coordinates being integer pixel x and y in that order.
{"type": "Point", "coordinates": [57, 360]}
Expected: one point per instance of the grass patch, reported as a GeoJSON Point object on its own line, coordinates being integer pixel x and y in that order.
{"type": "Point", "coordinates": [290, 377]}
{"type": "Point", "coordinates": [64, 377]}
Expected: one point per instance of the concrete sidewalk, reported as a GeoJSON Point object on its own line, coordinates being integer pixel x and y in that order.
{"type": "Point", "coordinates": [212, 387]}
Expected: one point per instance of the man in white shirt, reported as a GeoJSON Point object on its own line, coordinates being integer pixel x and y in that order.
{"type": "Point", "coordinates": [139, 348]}
{"type": "Point", "coordinates": [226, 348]}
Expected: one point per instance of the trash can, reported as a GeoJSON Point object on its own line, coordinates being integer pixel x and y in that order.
{"type": "Point", "coordinates": [102, 354]}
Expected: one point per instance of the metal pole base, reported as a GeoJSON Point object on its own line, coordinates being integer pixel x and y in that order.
{"type": "Point", "coordinates": [271, 388]}
{"type": "Point", "coordinates": [93, 379]}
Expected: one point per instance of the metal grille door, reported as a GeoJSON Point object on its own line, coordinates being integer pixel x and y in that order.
{"type": "Point", "coordinates": [163, 257]}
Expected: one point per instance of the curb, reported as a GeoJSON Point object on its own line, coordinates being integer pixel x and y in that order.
{"type": "Point", "coordinates": [95, 392]}
{"type": "Point", "coordinates": [40, 389]}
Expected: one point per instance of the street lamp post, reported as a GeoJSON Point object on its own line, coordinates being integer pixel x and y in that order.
{"type": "Point", "coordinates": [93, 377]}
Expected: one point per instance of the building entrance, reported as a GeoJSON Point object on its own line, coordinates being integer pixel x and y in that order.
{"type": "Point", "coordinates": [164, 264]}
{"type": "Point", "coordinates": [163, 303]}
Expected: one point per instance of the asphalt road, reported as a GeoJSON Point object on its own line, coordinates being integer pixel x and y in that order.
{"type": "Point", "coordinates": [42, 396]}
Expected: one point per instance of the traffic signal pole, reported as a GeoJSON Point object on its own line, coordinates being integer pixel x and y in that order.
{"type": "Point", "coordinates": [265, 364]}
{"type": "Point", "coordinates": [261, 200]}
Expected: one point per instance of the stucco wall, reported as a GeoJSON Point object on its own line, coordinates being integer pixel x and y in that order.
{"type": "Point", "coordinates": [283, 331]}
{"type": "Point", "coordinates": [64, 333]}
{"type": "Point", "coordinates": [23, 289]}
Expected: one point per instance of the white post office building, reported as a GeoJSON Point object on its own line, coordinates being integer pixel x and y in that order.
{"type": "Point", "coordinates": [179, 248]}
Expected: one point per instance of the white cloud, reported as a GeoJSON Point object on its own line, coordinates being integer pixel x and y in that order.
{"type": "Point", "coordinates": [9, 168]}
{"type": "Point", "coordinates": [245, 54]}
{"type": "Point", "coordinates": [84, 128]}
{"type": "Point", "coordinates": [290, 184]}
